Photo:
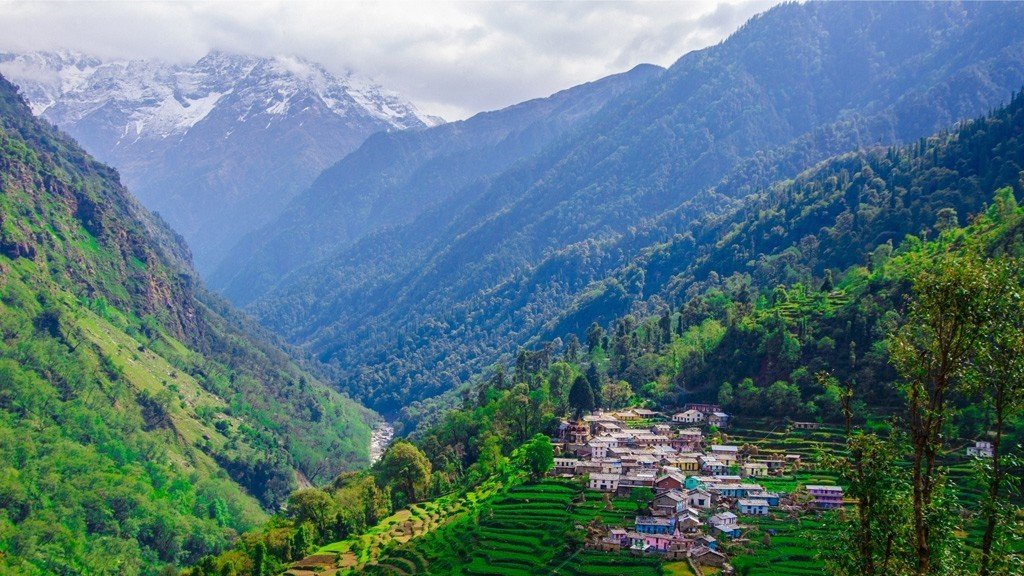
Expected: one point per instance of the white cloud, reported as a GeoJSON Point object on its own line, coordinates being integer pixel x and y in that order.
{"type": "Point", "coordinates": [450, 58]}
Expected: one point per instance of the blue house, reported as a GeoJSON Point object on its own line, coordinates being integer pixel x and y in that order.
{"type": "Point", "coordinates": [724, 523]}
{"type": "Point", "coordinates": [652, 525]}
{"type": "Point", "coordinates": [708, 542]}
{"type": "Point", "coordinates": [753, 506]}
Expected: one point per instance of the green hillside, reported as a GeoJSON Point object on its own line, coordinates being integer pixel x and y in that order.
{"type": "Point", "coordinates": [143, 425]}
{"type": "Point", "coordinates": [760, 349]}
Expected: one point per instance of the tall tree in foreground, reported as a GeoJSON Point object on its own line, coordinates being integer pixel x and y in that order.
{"type": "Point", "coordinates": [581, 397]}
{"type": "Point", "coordinates": [877, 540]}
{"type": "Point", "coordinates": [998, 378]}
{"type": "Point", "coordinates": [406, 470]}
{"type": "Point", "coordinates": [931, 352]}
{"type": "Point", "coordinates": [536, 457]}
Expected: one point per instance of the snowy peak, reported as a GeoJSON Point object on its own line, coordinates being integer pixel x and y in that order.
{"type": "Point", "coordinates": [141, 99]}
{"type": "Point", "coordinates": [45, 76]}
{"type": "Point", "coordinates": [219, 146]}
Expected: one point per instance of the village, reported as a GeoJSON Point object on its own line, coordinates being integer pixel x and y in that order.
{"type": "Point", "coordinates": [698, 488]}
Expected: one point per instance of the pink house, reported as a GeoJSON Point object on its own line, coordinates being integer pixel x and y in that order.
{"type": "Point", "coordinates": [660, 542]}
{"type": "Point", "coordinates": [826, 497]}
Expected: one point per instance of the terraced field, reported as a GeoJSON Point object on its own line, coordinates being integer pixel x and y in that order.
{"type": "Point", "coordinates": [531, 529]}
{"type": "Point", "coordinates": [538, 528]}
{"type": "Point", "coordinates": [792, 549]}
{"type": "Point", "coordinates": [354, 554]}
{"type": "Point", "coordinates": [777, 437]}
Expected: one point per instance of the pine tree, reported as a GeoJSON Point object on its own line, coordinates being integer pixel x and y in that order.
{"type": "Point", "coordinates": [828, 284]}
{"type": "Point", "coordinates": [581, 397]}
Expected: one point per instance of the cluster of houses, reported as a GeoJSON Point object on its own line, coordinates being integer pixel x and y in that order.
{"type": "Point", "coordinates": [980, 449]}
{"type": "Point", "coordinates": [699, 491]}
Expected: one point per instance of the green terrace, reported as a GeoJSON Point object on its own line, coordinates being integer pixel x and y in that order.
{"type": "Point", "coordinates": [529, 529]}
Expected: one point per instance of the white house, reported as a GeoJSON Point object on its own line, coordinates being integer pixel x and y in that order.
{"type": "Point", "coordinates": [725, 454]}
{"type": "Point", "coordinates": [753, 506]}
{"type": "Point", "coordinates": [718, 419]}
{"type": "Point", "coordinates": [723, 519]}
{"type": "Point", "coordinates": [981, 449]}
{"type": "Point", "coordinates": [604, 482]}
{"type": "Point", "coordinates": [599, 446]}
{"type": "Point", "coordinates": [712, 465]}
{"type": "Point", "coordinates": [698, 498]}
{"type": "Point", "coordinates": [661, 429]}
{"type": "Point", "coordinates": [689, 417]}
{"type": "Point", "coordinates": [565, 465]}
{"type": "Point", "coordinates": [755, 469]}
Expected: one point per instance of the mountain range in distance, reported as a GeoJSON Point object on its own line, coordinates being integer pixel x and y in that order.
{"type": "Point", "coordinates": [216, 147]}
{"type": "Point", "coordinates": [746, 231]}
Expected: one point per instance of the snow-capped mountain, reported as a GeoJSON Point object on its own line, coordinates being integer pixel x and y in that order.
{"type": "Point", "coordinates": [217, 147]}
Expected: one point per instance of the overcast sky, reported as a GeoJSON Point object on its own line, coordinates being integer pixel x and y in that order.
{"type": "Point", "coordinates": [450, 58]}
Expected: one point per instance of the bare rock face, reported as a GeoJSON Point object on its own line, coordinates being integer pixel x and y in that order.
{"type": "Point", "coordinates": [217, 147]}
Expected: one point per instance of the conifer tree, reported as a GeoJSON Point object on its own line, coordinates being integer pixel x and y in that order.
{"type": "Point", "coordinates": [581, 397]}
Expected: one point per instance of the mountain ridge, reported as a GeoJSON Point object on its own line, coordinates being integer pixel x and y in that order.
{"type": "Point", "coordinates": [480, 273]}
{"type": "Point", "coordinates": [474, 148]}
{"type": "Point", "coordinates": [194, 141]}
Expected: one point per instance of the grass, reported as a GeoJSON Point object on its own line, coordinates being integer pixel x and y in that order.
{"type": "Point", "coordinates": [150, 373]}
{"type": "Point", "coordinates": [387, 537]}
{"type": "Point", "coordinates": [792, 550]}
{"type": "Point", "coordinates": [680, 568]}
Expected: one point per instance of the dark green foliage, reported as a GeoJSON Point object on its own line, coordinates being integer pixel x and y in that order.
{"type": "Point", "coordinates": [833, 215]}
{"type": "Point", "coordinates": [536, 457]}
{"type": "Point", "coordinates": [581, 396]}
{"type": "Point", "coordinates": [259, 559]}
{"type": "Point", "coordinates": [784, 320]}
{"type": "Point", "coordinates": [406, 471]}
{"type": "Point", "coordinates": [642, 497]}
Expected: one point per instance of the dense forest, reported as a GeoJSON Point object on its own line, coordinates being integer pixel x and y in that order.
{"type": "Point", "coordinates": [808, 233]}
{"type": "Point", "coordinates": [824, 218]}
{"type": "Point", "coordinates": [143, 423]}
{"type": "Point", "coordinates": [774, 253]}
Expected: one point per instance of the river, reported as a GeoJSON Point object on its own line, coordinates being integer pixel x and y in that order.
{"type": "Point", "coordinates": [380, 438]}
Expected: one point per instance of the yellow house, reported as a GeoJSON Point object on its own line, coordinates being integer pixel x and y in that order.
{"type": "Point", "coordinates": [686, 463]}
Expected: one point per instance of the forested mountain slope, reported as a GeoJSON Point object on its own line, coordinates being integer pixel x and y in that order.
{"type": "Point", "coordinates": [775, 344]}
{"type": "Point", "coordinates": [141, 423]}
{"type": "Point", "coordinates": [826, 219]}
{"type": "Point", "coordinates": [792, 280]}
{"type": "Point", "coordinates": [396, 177]}
{"type": "Point", "coordinates": [408, 311]}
